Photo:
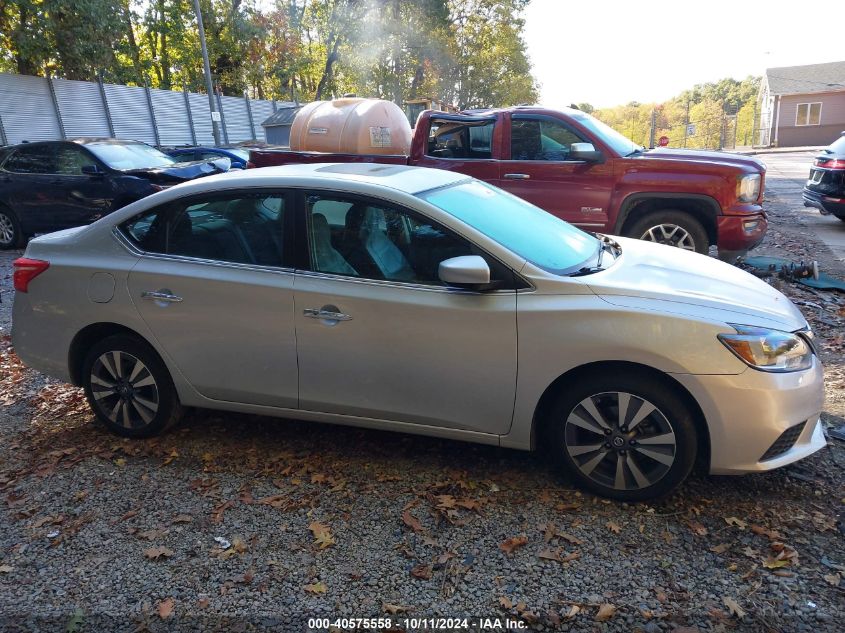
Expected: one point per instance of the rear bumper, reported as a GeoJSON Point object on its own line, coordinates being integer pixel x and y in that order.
{"type": "Point", "coordinates": [747, 414]}
{"type": "Point", "coordinates": [826, 204]}
{"type": "Point", "coordinates": [740, 232]}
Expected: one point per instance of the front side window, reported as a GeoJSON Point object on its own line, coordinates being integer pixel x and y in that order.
{"type": "Point", "coordinates": [527, 231]}
{"type": "Point", "coordinates": [244, 229]}
{"type": "Point", "coordinates": [32, 160]}
{"type": "Point", "coordinates": [541, 139]}
{"type": "Point", "coordinates": [368, 239]}
{"type": "Point", "coordinates": [458, 139]}
{"type": "Point", "coordinates": [71, 160]}
{"type": "Point", "coordinates": [126, 155]}
{"type": "Point", "coordinates": [808, 114]}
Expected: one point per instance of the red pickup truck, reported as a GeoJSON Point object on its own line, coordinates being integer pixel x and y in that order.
{"type": "Point", "coordinates": [579, 169]}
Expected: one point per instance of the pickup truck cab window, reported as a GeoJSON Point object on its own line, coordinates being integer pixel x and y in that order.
{"type": "Point", "coordinates": [456, 139]}
{"type": "Point", "coordinates": [541, 138]}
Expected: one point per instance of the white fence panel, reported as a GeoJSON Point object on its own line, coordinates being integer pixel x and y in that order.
{"type": "Point", "coordinates": [174, 127]}
{"type": "Point", "coordinates": [237, 119]}
{"type": "Point", "coordinates": [27, 109]}
{"type": "Point", "coordinates": [130, 113]}
{"type": "Point", "coordinates": [81, 105]}
{"type": "Point", "coordinates": [202, 119]}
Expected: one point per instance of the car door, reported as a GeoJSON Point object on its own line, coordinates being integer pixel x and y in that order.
{"type": "Point", "coordinates": [379, 336]}
{"type": "Point", "coordinates": [214, 286]}
{"type": "Point", "coordinates": [81, 198]}
{"type": "Point", "coordinates": [26, 181]}
{"type": "Point", "coordinates": [539, 170]}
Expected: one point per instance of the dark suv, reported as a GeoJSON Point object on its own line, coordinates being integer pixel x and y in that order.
{"type": "Point", "coordinates": [825, 189]}
{"type": "Point", "coordinates": [56, 185]}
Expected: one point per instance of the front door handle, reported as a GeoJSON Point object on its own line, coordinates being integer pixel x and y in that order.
{"type": "Point", "coordinates": [326, 313]}
{"type": "Point", "coordinates": [164, 296]}
{"type": "Point", "coordinates": [517, 176]}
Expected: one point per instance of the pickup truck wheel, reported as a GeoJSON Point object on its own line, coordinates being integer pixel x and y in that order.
{"type": "Point", "coordinates": [624, 436]}
{"type": "Point", "coordinates": [10, 230]}
{"type": "Point", "coordinates": [674, 228]}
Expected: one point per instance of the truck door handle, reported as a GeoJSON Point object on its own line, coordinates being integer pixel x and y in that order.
{"type": "Point", "coordinates": [160, 295]}
{"type": "Point", "coordinates": [517, 176]}
{"type": "Point", "coordinates": [326, 313]}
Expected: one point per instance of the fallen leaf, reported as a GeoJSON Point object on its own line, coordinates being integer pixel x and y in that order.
{"type": "Point", "coordinates": [761, 531]}
{"type": "Point", "coordinates": [505, 603]}
{"type": "Point", "coordinates": [154, 553]}
{"type": "Point", "coordinates": [605, 612]}
{"type": "Point", "coordinates": [422, 571]}
{"type": "Point", "coordinates": [322, 535]}
{"type": "Point", "coordinates": [774, 563]}
{"type": "Point", "coordinates": [573, 611]}
{"type": "Point", "coordinates": [737, 522]}
{"type": "Point", "coordinates": [831, 579]}
{"type": "Point", "coordinates": [316, 588]}
{"type": "Point", "coordinates": [239, 545]}
{"type": "Point", "coordinates": [394, 609]}
{"type": "Point", "coordinates": [550, 554]}
{"type": "Point", "coordinates": [203, 603]}
{"type": "Point", "coordinates": [411, 521]}
{"type": "Point", "coordinates": [733, 607]}
{"type": "Point", "coordinates": [721, 548]}
{"type": "Point", "coordinates": [165, 608]}
{"type": "Point", "coordinates": [613, 527]}
{"type": "Point", "coordinates": [509, 545]}
{"type": "Point", "coordinates": [183, 518]}
{"type": "Point", "coordinates": [697, 528]}
{"type": "Point", "coordinates": [5, 569]}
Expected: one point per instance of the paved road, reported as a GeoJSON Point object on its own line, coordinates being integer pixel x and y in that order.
{"type": "Point", "coordinates": [785, 177]}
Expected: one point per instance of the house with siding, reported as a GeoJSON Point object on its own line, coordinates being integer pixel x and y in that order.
{"type": "Point", "coordinates": [802, 105]}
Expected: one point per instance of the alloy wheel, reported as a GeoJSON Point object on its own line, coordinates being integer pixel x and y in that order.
{"type": "Point", "coordinates": [7, 229]}
{"type": "Point", "coordinates": [124, 389]}
{"type": "Point", "coordinates": [670, 234]}
{"type": "Point", "coordinates": [620, 440]}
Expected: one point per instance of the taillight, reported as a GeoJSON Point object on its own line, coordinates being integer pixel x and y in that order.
{"type": "Point", "coordinates": [26, 270]}
{"type": "Point", "coordinates": [830, 164]}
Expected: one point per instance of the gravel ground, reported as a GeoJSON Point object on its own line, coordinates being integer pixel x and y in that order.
{"type": "Point", "coordinates": [240, 523]}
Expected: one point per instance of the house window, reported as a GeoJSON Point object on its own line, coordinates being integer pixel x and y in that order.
{"type": "Point", "coordinates": [808, 114]}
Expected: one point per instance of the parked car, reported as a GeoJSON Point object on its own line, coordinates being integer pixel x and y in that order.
{"type": "Point", "coordinates": [237, 155]}
{"type": "Point", "coordinates": [428, 302]}
{"type": "Point", "coordinates": [825, 189]}
{"type": "Point", "coordinates": [579, 169]}
{"type": "Point", "coordinates": [54, 185]}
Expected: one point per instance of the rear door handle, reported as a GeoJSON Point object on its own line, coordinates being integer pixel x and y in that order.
{"type": "Point", "coordinates": [517, 176]}
{"type": "Point", "coordinates": [161, 295]}
{"type": "Point", "coordinates": [327, 313]}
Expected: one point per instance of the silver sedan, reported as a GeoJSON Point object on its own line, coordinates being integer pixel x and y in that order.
{"type": "Point", "coordinates": [427, 302]}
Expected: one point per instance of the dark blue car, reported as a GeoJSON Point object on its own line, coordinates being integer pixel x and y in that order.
{"type": "Point", "coordinates": [238, 156]}
{"type": "Point", "coordinates": [55, 185]}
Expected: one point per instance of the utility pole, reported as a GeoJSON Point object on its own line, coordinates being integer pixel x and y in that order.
{"type": "Point", "coordinates": [686, 125]}
{"type": "Point", "coordinates": [653, 124]}
{"type": "Point", "coordinates": [215, 115]}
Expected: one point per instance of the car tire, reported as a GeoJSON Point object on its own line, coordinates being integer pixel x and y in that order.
{"type": "Point", "coordinates": [646, 456]}
{"type": "Point", "coordinates": [11, 235]}
{"type": "Point", "coordinates": [129, 388]}
{"type": "Point", "coordinates": [675, 228]}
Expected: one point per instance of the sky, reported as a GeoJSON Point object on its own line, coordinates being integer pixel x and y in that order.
{"type": "Point", "coordinates": [612, 52]}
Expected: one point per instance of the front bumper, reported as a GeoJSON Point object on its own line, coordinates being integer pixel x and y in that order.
{"type": "Point", "coordinates": [747, 413]}
{"type": "Point", "coordinates": [740, 233]}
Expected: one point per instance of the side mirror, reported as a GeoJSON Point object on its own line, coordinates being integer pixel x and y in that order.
{"type": "Point", "coordinates": [467, 271]}
{"type": "Point", "coordinates": [586, 152]}
{"type": "Point", "coordinates": [91, 170]}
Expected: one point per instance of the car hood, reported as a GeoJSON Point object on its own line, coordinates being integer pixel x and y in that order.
{"type": "Point", "coordinates": [669, 279]}
{"type": "Point", "coordinates": [705, 156]}
{"type": "Point", "coordinates": [180, 172]}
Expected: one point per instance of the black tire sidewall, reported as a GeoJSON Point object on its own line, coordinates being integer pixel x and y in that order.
{"type": "Point", "coordinates": [17, 238]}
{"type": "Point", "coordinates": [671, 216]}
{"type": "Point", "coordinates": [661, 394]}
{"type": "Point", "coordinates": [169, 406]}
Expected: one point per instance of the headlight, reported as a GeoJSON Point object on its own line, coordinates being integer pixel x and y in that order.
{"type": "Point", "coordinates": [748, 188]}
{"type": "Point", "coordinates": [769, 350]}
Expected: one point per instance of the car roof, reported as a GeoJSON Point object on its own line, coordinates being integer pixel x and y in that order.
{"type": "Point", "coordinates": [404, 178]}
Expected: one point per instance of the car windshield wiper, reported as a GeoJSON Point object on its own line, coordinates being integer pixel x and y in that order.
{"type": "Point", "coordinates": [635, 152]}
{"type": "Point", "coordinates": [604, 242]}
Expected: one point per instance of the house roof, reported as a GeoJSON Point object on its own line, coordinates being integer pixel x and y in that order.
{"type": "Point", "coordinates": [806, 79]}
{"type": "Point", "coordinates": [284, 115]}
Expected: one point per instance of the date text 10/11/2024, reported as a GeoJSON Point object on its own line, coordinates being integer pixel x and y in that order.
{"type": "Point", "coordinates": [463, 625]}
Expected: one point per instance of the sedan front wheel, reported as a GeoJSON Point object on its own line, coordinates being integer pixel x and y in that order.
{"type": "Point", "coordinates": [627, 438]}
{"type": "Point", "coordinates": [129, 388]}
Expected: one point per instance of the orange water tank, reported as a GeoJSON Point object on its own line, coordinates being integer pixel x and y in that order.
{"type": "Point", "coordinates": [351, 126]}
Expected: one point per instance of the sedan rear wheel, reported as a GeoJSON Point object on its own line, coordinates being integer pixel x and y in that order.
{"type": "Point", "coordinates": [129, 388]}
{"type": "Point", "coordinates": [625, 438]}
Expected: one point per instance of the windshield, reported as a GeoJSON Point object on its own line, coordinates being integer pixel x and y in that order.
{"type": "Point", "coordinates": [620, 144]}
{"type": "Point", "coordinates": [242, 154]}
{"type": "Point", "coordinates": [125, 156]}
{"type": "Point", "coordinates": [528, 231]}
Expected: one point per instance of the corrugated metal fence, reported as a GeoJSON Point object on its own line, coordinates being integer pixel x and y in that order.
{"type": "Point", "coordinates": [40, 109]}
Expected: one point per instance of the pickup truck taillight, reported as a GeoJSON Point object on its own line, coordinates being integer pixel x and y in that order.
{"type": "Point", "coordinates": [26, 270]}
{"type": "Point", "coordinates": [830, 164]}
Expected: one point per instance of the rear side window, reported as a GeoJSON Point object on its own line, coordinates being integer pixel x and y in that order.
{"type": "Point", "coordinates": [244, 229]}
{"type": "Point", "coordinates": [32, 160]}
{"type": "Point", "coordinates": [456, 139]}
